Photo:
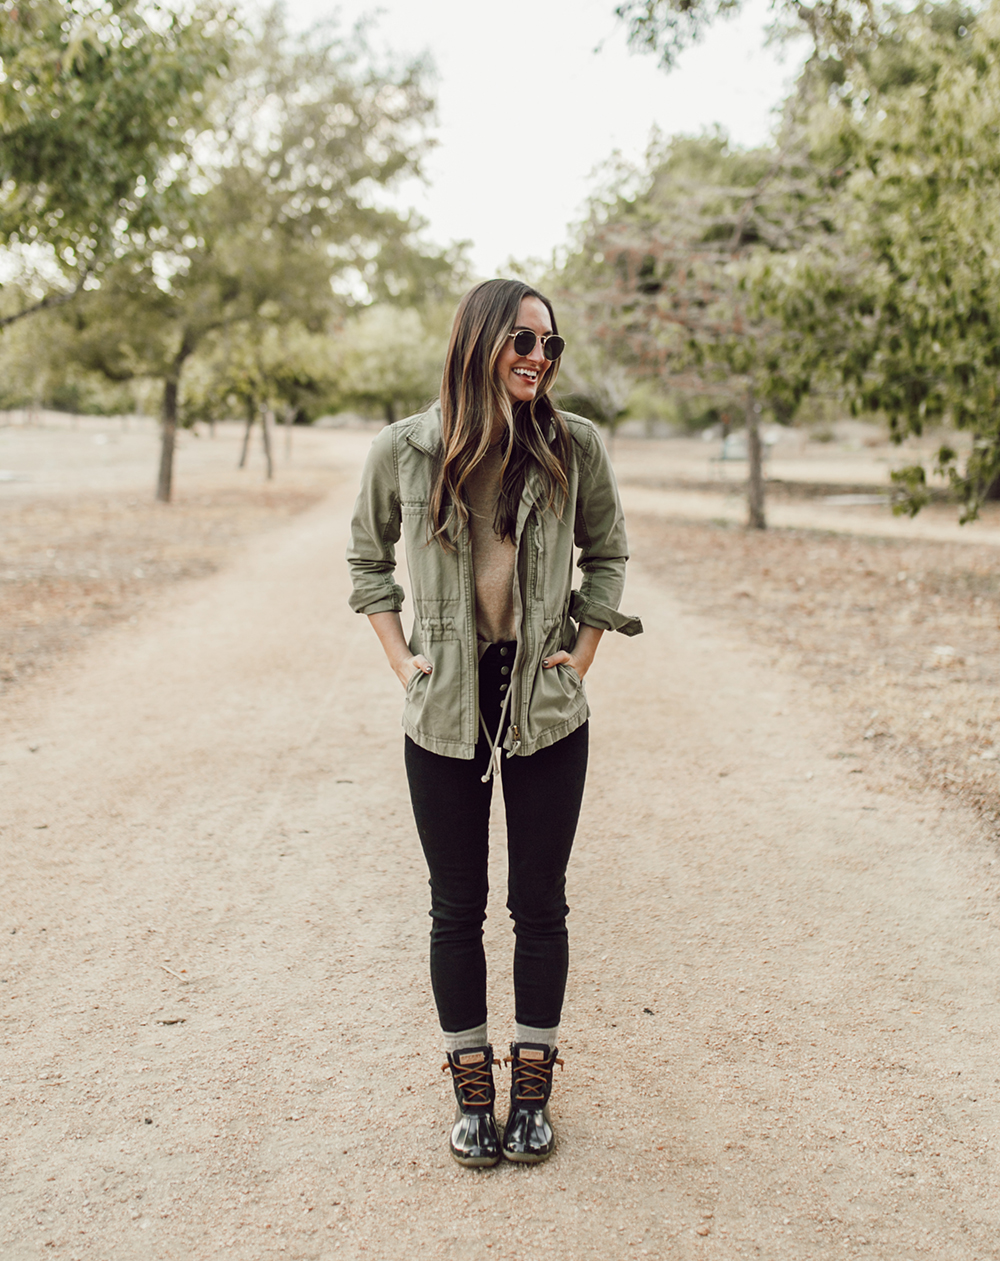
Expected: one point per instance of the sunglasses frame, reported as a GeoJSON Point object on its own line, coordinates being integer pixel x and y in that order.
{"type": "Point", "coordinates": [538, 337]}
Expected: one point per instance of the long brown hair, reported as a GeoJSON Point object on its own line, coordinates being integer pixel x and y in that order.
{"type": "Point", "coordinates": [473, 398]}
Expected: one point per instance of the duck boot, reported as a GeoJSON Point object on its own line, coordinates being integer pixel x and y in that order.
{"type": "Point", "coordinates": [528, 1135]}
{"type": "Point", "coordinates": [474, 1138]}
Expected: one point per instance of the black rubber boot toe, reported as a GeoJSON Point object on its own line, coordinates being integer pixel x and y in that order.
{"type": "Point", "coordinates": [528, 1136]}
{"type": "Point", "coordinates": [474, 1138]}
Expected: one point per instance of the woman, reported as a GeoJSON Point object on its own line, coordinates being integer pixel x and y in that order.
{"type": "Point", "coordinates": [490, 488]}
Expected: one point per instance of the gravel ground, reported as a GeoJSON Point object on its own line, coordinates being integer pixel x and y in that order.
{"type": "Point", "coordinates": [899, 639]}
{"type": "Point", "coordinates": [780, 1033]}
{"type": "Point", "coordinates": [83, 544]}
{"type": "Point", "coordinates": [75, 564]}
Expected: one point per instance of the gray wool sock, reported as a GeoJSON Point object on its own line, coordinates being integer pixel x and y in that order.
{"type": "Point", "coordinates": [527, 1033]}
{"type": "Point", "coordinates": [465, 1038]}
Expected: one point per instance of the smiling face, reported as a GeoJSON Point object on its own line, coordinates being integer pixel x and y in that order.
{"type": "Point", "coordinates": [521, 375]}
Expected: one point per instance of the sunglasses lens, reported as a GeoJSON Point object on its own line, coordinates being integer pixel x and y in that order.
{"type": "Point", "coordinates": [524, 344]}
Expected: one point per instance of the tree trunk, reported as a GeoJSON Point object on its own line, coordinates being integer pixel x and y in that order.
{"type": "Point", "coordinates": [265, 424]}
{"type": "Point", "coordinates": [168, 433]}
{"type": "Point", "coordinates": [251, 413]}
{"type": "Point", "coordinates": [755, 461]}
{"type": "Point", "coordinates": [168, 438]}
{"type": "Point", "coordinates": [390, 411]}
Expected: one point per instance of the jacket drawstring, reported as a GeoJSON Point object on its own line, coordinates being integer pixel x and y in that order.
{"type": "Point", "coordinates": [493, 766]}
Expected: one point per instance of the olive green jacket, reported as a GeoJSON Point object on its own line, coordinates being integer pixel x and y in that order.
{"type": "Point", "coordinates": [440, 712]}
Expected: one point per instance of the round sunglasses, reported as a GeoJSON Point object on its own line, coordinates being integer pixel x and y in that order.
{"type": "Point", "coordinates": [524, 343]}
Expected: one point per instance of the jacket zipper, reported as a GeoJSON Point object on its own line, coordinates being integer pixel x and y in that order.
{"type": "Point", "coordinates": [465, 549]}
{"type": "Point", "coordinates": [523, 645]}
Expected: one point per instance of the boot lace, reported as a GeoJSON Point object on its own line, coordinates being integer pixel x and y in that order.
{"type": "Point", "coordinates": [475, 1081]}
{"type": "Point", "coordinates": [532, 1078]}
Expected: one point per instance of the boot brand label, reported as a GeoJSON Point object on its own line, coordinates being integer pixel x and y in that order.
{"type": "Point", "coordinates": [532, 1055]}
{"type": "Point", "coordinates": [476, 1058]}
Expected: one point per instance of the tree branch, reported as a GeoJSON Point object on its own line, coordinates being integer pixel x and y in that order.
{"type": "Point", "coordinates": [46, 303]}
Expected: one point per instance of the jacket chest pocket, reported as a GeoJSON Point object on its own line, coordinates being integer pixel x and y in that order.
{"type": "Point", "coordinates": [434, 573]}
{"type": "Point", "coordinates": [549, 580]}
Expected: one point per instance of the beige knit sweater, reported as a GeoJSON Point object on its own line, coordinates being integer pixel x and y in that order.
{"type": "Point", "coordinates": [493, 558]}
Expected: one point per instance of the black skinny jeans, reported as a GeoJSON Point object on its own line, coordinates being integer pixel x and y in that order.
{"type": "Point", "coordinates": [542, 795]}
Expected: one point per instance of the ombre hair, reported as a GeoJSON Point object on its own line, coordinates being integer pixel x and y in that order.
{"type": "Point", "coordinates": [473, 398]}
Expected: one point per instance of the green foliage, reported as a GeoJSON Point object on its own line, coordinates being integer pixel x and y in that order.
{"type": "Point", "coordinates": [903, 289]}
{"type": "Point", "coordinates": [667, 27]}
{"type": "Point", "coordinates": [593, 381]}
{"type": "Point", "coordinates": [658, 277]}
{"type": "Point", "coordinates": [100, 101]}
{"type": "Point", "coordinates": [281, 226]}
{"type": "Point", "coordinates": [866, 260]}
{"type": "Point", "coordinates": [912, 482]}
{"type": "Point", "coordinates": [286, 367]}
{"type": "Point", "coordinates": [38, 368]}
{"type": "Point", "coordinates": [389, 358]}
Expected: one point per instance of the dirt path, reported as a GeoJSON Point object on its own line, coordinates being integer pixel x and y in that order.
{"type": "Point", "coordinates": [780, 1035]}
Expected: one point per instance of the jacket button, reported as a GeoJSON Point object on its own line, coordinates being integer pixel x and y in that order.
{"type": "Point", "coordinates": [503, 687]}
{"type": "Point", "coordinates": [503, 652]}
{"type": "Point", "coordinates": [505, 669]}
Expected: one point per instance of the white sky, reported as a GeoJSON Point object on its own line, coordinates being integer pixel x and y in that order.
{"type": "Point", "coordinates": [534, 95]}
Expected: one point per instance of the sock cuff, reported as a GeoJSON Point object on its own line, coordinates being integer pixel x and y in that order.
{"type": "Point", "coordinates": [529, 1033]}
{"type": "Point", "coordinates": [465, 1038]}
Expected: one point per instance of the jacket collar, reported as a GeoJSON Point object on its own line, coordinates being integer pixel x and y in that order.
{"type": "Point", "coordinates": [424, 432]}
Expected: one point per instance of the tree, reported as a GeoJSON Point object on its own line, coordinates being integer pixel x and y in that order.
{"type": "Point", "coordinates": [661, 270]}
{"type": "Point", "coordinates": [99, 102]}
{"type": "Point", "coordinates": [389, 357]}
{"type": "Point", "coordinates": [593, 380]}
{"type": "Point", "coordinates": [261, 370]}
{"type": "Point", "coordinates": [903, 293]}
{"type": "Point", "coordinates": [667, 27]}
{"type": "Point", "coordinates": [280, 222]}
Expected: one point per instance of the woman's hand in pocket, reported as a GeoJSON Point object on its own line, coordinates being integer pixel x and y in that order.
{"type": "Point", "coordinates": [582, 656]}
{"type": "Point", "coordinates": [408, 669]}
{"type": "Point", "coordinates": [404, 664]}
{"type": "Point", "coordinates": [564, 658]}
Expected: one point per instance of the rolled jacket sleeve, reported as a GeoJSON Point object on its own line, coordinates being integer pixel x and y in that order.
{"type": "Point", "coordinates": [599, 533]}
{"type": "Point", "coordinates": [375, 530]}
